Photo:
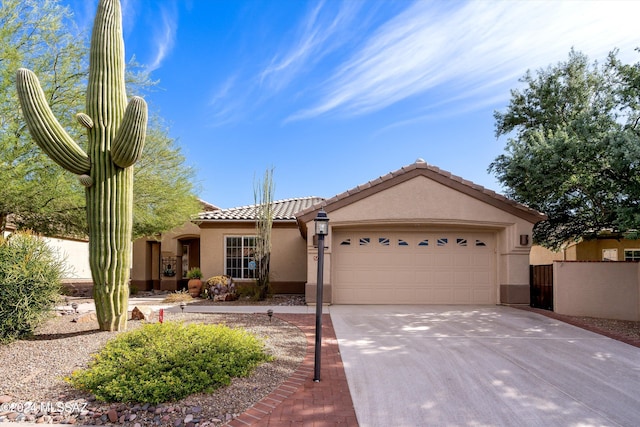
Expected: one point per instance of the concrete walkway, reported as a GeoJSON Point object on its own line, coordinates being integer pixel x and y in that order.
{"type": "Point", "coordinates": [483, 366]}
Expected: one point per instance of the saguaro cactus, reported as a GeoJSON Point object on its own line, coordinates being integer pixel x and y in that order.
{"type": "Point", "coordinates": [116, 132]}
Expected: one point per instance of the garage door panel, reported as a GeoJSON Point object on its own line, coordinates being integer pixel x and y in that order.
{"type": "Point", "coordinates": [414, 268]}
{"type": "Point", "coordinates": [462, 278]}
{"type": "Point", "coordinates": [462, 295]}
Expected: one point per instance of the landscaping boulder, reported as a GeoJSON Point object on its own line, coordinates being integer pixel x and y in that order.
{"type": "Point", "coordinates": [85, 318]}
{"type": "Point", "coordinates": [220, 288]}
{"type": "Point", "coordinates": [142, 313]}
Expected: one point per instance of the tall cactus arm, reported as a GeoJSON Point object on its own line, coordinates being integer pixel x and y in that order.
{"type": "Point", "coordinates": [126, 147]}
{"type": "Point", "coordinates": [44, 127]}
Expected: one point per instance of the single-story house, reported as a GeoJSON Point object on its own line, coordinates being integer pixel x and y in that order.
{"type": "Point", "coordinates": [419, 235]}
{"type": "Point", "coordinates": [606, 247]}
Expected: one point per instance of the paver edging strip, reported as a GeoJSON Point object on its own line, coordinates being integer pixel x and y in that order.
{"type": "Point", "coordinates": [259, 413]}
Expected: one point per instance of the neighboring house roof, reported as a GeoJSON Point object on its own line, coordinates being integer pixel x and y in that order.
{"type": "Point", "coordinates": [283, 210]}
{"type": "Point", "coordinates": [419, 168]}
{"type": "Point", "coordinates": [206, 206]}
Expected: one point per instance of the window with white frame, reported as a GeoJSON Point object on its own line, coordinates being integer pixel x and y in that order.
{"type": "Point", "coordinates": [239, 257]}
{"type": "Point", "coordinates": [609, 254]}
{"type": "Point", "coordinates": [632, 254]}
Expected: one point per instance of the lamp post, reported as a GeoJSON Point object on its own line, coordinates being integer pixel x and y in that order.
{"type": "Point", "coordinates": [322, 229]}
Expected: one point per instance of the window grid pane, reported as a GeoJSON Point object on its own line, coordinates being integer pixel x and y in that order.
{"type": "Point", "coordinates": [239, 253]}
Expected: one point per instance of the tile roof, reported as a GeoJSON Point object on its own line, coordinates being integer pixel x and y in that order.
{"type": "Point", "coordinates": [284, 210]}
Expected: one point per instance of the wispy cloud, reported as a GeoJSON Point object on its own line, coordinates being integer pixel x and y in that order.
{"type": "Point", "coordinates": [319, 33]}
{"type": "Point", "coordinates": [164, 37]}
{"type": "Point", "coordinates": [225, 103]}
{"type": "Point", "coordinates": [478, 44]}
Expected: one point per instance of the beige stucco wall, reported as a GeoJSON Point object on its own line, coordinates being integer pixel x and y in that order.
{"type": "Point", "coordinates": [591, 250]}
{"type": "Point", "coordinates": [421, 202]}
{"type": "Point", "coordinates": [608, 290]}
{"type": "Point", "coordinates": [145, 269]}
{"type": "Point", "coordinates": [542, 256]}
{"type": "Point", "coordinates": [588, 250]}
{"type": "Point", "coordinates": [75, 254]}
{"type": "Point", "coordinates": [288, 255]}
{"type": "Point", "coordinates": [147, 257]}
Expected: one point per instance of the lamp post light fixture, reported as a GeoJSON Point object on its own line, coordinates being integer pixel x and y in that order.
{"type": "Point", "coordinates": [74, 305]}
{"type": "Point", "coordinates": [270, 314]}
{"type": "Point", "coordinates": [322, 229]}
{"type": "Point", "coordinates": [182, 306]}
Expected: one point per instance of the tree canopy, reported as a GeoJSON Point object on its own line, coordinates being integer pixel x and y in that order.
{"type": "Point", "coordinates": [38, 34]}
{"type": "Point", "coordinates": [573, 148]}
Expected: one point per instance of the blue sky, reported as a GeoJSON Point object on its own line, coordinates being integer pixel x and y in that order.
{"type": "Point", "coordinates": [332, 94]}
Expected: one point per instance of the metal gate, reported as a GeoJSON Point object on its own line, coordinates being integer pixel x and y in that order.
{"type": "Point", "coordinates": [541, 286]}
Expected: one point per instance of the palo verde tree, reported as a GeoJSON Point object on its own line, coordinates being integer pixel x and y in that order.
{"type": "Point", "coordinates": [38, 195]}
{"type": "Point", "coordinates": [116, 132]}
{"type": "Point", "coordinates": [263, 196]}
{"type": "Point", "coordinates": [573, 150]}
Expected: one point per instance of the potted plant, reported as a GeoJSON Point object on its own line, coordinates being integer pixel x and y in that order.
{"type": "Point", "coordinates": [195, 281]}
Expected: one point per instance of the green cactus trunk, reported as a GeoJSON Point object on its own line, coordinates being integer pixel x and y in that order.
{"type": "Point", "coordinates": [110, 198]}
{"type": "Point", "coordinates": [116, 132]}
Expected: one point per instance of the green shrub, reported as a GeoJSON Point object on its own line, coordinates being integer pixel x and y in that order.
{"type": "Point", "coordinates": [194, 273]}
{"type": "Point", "coordinates": [162, 362]}
{"type": "Point", "coordinates": [30, 284]}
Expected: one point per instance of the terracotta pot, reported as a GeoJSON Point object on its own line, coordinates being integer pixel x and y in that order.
{"type": "Point", "coordinates": [195, 287]}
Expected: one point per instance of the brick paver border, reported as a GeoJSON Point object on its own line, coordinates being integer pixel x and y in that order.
{"type": "Point", "coordinates": [299, 401]}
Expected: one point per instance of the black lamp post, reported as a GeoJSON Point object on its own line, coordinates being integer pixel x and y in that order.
{"type": "Point", "coordinates": [322, 229]}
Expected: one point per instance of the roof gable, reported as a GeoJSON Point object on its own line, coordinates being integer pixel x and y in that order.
{"type": "Point", "coordinates": [420, 168]}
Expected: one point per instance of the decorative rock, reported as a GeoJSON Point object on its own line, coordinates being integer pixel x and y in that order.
{"type": "Point", "coordinates": [112, 415]}
{"type": "Point", "coordinates": [5, 399]}
{"type": "Point", "coordinates": [221, 288]}
{"type": "Point", "coordinates": [188, 418]}
{"type": "Point", "coordinates": [142, 313]}
{"type": "Point", "coordinates": [122, 419]}
{"type": "Point", "coordinates": [85, 318]}
{"type": "Point", "coordinates": [132, 417]}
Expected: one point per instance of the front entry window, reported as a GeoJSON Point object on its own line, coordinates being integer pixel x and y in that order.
{"type": "Point", "coordinates": [239, 257]}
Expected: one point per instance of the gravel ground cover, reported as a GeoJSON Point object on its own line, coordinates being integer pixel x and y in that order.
{"type": "Point", "coordinates": [627, 331]}
{"type": "Point", "coordinates": [32, 372]}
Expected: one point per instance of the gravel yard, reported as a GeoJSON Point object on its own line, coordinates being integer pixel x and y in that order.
{"type": "Point", "coordinates": [32, 372]}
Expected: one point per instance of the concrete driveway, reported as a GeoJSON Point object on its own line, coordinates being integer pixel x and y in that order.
{"type": "Point", "coordinates": [483, 366]}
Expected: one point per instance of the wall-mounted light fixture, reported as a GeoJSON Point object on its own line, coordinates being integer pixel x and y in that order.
{"type": "Point", "coordinates": [524, 240]}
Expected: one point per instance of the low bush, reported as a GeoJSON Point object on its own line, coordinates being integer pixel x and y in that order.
{"type": "Point", "coordinates": [30, 284]}
{"type": "Point", "coordinates": [163, 362]}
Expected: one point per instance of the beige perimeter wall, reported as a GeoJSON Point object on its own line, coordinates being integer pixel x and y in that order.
{"type": "Point", "coordinates": [608, 290]}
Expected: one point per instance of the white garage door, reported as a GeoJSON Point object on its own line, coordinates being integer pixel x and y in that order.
{"type": "Point", "coordinates": [381, 267]}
